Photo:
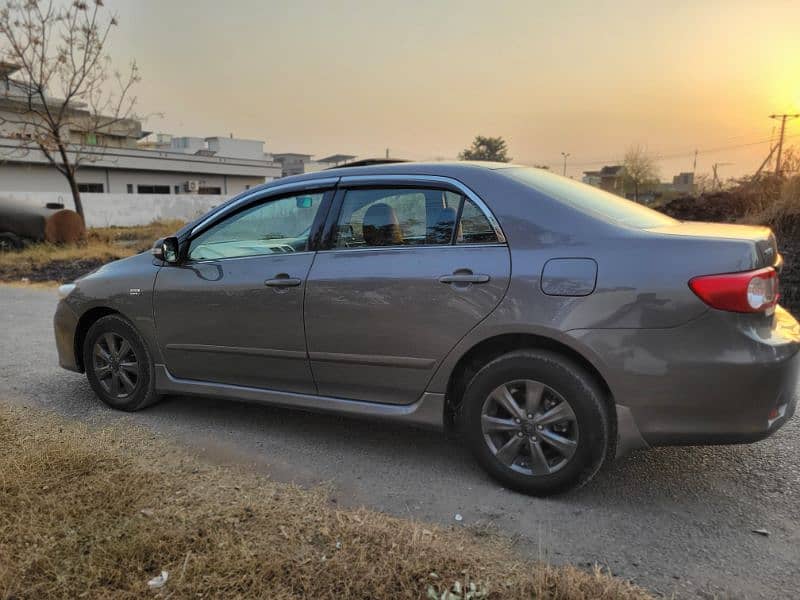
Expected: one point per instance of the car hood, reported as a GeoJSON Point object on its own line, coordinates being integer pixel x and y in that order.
{"type": "Point", "coordinates": [132, 264]}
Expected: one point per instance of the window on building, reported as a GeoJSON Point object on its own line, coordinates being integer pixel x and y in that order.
{"type": "Point", "coordinates": [130, 188]}
{"type": "Point", "coordinates": [214, 191]}
{"type": "Point", "coordinates": [177, 189]}
{"type": "Point", "coordinates": [91, 188]}
{"type": "Point", "coordinates": [152, 189]}
{"type": "Point", "coordinates": [91, 139]}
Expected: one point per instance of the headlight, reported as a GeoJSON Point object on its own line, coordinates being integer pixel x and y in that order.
{"type": "Point", "coordinates": [65, 290]}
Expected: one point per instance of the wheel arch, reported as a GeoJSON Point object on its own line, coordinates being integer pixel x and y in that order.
{"type": "Point", "coordinates": [490, 348]}
{"type": "Point", "coordinates": [87, 319]}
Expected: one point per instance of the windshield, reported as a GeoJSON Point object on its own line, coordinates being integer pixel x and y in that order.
{"type": "Point", "coordinates": [589, 199]}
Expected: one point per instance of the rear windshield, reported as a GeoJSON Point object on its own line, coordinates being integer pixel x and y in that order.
{"type": "Point", "coordinates": [589, 199]}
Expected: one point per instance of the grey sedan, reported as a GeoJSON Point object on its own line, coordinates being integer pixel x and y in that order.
{"type": "Point", "coordinates": [553, 324]}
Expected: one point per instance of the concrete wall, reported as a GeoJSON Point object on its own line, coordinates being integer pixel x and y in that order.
{"type": "Point", "coordinates": [40, 178]}
{"type": "Point", "coordinates": [103, 210]}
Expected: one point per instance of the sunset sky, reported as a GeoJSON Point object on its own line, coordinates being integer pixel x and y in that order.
{"type": "Point", "coordinates": [423, 77]}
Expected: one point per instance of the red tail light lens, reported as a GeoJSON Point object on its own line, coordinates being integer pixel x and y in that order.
{"type": "Point", "coordinates": [748, 292]}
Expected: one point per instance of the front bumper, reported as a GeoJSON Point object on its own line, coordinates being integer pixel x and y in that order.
{"type": "Point", "coordinates": [723, 378]}
{"type": "Point", "coordinates": [65, 324]}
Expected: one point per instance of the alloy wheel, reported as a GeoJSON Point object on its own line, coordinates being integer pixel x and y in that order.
{"type": "Point", "coordinates": [529, 427]}
{"type": "Point", "coordinates": [115, 365]}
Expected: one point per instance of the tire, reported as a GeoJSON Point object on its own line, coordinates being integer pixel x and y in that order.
{"type": "Point", "coordinates": [562, 447]}
{"type": "Point", "coordinates": [114, 351]}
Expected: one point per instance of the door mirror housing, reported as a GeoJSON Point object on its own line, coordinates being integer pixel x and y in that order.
{"type": "Point", "coordinates": [167, 249]}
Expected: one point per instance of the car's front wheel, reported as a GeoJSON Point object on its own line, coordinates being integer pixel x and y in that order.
{"type": "Point", "coordinates": [537, 422]}
{"type": "Point", "coordinates": [118, 365]}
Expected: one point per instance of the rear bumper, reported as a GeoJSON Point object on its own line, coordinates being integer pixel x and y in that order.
{"type": "Point", "coordinates": [65, 323]}
{"type": "Point", "coordinates": [724, 378]}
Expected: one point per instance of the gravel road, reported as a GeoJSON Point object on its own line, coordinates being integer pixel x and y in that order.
{"type": "Point", "coordinates": [675, 520]}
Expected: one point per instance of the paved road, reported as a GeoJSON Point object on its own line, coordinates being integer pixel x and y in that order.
{"type": "Point", "coordinates": [676, 520]}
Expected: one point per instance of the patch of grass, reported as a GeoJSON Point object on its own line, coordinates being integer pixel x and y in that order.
{"type": "Point", "coordinates": [44, 261]}
{"type": "Point", "coordinates": [784, 203]}
{"type": "Point", "coordinates": [97, 514]}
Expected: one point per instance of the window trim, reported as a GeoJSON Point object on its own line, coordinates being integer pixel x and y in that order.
{"type": "Point", "coordinates": [410, 182]}
{"type": "Point", "coordinates": [258, 199]}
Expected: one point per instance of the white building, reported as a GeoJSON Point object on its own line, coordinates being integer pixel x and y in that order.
{"type": "Point", "coordinates": [114, 162]}
{"type": "Point", "coordinates": [293, 163]}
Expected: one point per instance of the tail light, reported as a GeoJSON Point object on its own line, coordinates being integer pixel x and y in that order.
{"type": "Point", "coordinates": [748, 292]}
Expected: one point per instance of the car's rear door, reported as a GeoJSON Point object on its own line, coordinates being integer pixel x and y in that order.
{"type": "Point", "coordinates": [397, 284]}
{"type": "Point", "coordinates": [232, 310]}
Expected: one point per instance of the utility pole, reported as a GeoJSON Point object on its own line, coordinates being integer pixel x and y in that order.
{"type": "Point", "coordinates": [784, 117]}
{"type": "Point", "coordinates": [387, 154]}
{"type": "Point", "coordinates": [694, 165]}
{"type": "Point", "coordinates": [565, 155]}
{"type": "Point", "coordinates": [716, 183]}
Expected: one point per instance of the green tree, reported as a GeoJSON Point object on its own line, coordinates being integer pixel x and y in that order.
{"type": "Point", "coordinates": [486, 148]}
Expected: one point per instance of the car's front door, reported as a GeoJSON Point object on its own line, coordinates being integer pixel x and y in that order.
{"type": "Point", "coordinates": [232, 310]}
{"type": "Point", "coordinates": [397, 286]}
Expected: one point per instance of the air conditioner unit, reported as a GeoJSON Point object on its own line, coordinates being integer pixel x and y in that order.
{"type": "Point", "coordinates": [192, 186]}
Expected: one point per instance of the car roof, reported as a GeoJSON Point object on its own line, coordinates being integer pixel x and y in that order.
{"type": "Point", "coordinates": [444, 169]}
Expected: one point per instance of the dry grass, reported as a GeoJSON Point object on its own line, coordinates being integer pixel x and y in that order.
{"type": "Point", "coordinates": [45, 261]}
{"type": "Point", "coordinates": [784, 202]}
{"type": "Point", "coordinates": [97, 514]}
{"type": "Point", "coordinates": [107, 243]}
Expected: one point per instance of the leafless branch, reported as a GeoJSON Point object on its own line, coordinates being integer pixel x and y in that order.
{"type": "Point", "coordinates": [61, 49]}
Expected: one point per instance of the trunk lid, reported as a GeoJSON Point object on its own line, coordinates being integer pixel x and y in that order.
{"type": "Point", "coordinates": [764, 244]}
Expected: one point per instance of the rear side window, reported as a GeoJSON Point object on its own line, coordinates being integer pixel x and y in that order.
{"type": "Point", "coordinates": [396, 217]}
{"type": "Point", "coordinates": [409, 217]}
{"type": "Point", "coordinates": [589, 199]}
{"type": "Point", "coordinates": [474, 227]}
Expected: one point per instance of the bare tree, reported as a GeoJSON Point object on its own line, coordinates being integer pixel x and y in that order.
{"type": "Point", "coordinates": [640, 169]}
{"type": "Point", "coordinates": [486, 148]}
{"type": "Point", "coordinates": [61, 49]}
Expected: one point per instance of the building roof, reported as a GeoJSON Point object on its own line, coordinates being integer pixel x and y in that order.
{"type": "Point", "coordinates": [279, 155]}
{"type": "Point", "coordinates": [607, 171]}
{"type": "Point", "coordinates": [336, 158]}
{"type": "Point", "coordinates": [611, 170]}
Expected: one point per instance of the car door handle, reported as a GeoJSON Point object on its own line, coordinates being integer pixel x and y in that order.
{"type": "Point", "coordinates": [283, 280]}
{"type": "Point", "coordinates": [464, 278]}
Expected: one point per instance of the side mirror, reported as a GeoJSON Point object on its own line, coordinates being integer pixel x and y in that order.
{"type": "Point", "coordinates": [166, 249]}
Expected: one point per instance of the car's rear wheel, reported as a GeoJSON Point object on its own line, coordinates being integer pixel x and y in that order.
{"type": "Point", "coordinates": [537, 422]}
{"type": "Point", "coordinates": [118, 365]}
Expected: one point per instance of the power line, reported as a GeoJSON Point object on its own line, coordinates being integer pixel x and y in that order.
{"type": "Point", "coordinates": [685, 154]}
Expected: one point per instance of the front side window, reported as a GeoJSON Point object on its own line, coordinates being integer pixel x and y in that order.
{"type": "Point", "coordinates": [274, 227]}
{"type": "Point", "coordinates": [406, 217]}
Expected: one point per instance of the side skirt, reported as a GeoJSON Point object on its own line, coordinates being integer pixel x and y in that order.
{"type": "Point", "coordinates": [426, 412]}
